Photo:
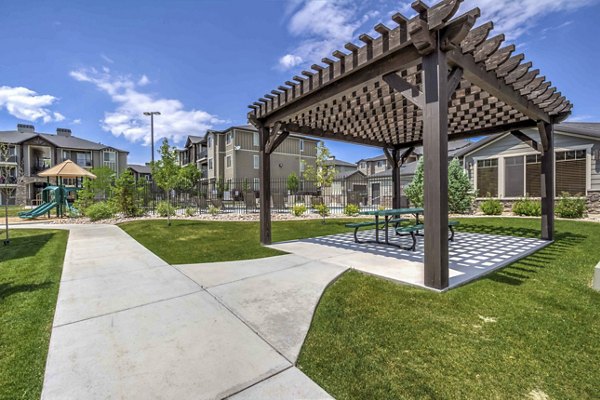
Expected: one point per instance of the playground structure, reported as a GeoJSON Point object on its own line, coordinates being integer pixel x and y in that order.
{"type": "Point", "coordinates": [57, 197]}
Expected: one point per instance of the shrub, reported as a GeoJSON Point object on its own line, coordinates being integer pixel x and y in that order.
{"type": "Point", "coordinates": [527, 207]}
{"type": "Point", "coordinates": [351, 209]}
{"type": "Point", "coordinates": [190, 211]}
{"type": "Point", "coordinates": [570, 207]}
{"type": "Point", "coordinates": [298, 210]}
{"type": "Point", "coordinates": [322, 209]}
{"type": "Point", "coordinates": [491, 207]}
{"type": "Point", "coordinates": [214, 211]}
{"type": "Point", "coordinates": [164, 209]}
{"type": "Point", "coordinates": [100, 210]}
{"type": "Point", "coordinates": [128, 195]}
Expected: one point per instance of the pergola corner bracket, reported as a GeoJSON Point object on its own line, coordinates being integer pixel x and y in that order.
{"type": "Point", "coordinates": [405, 88]}
{"type": "Point", "coordinates": [454, 79]}
{"type": "Point", "coordinates": [526, 139]}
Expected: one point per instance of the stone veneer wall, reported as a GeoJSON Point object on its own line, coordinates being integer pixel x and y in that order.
{"type": "Point", "coordinates": [21, 194]}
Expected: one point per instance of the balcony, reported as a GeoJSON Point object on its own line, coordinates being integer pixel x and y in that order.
{"type": "Point", "coordinates": [9, 159]}
{"type": "Point", "coordinates": [10, 180]}
{"type": "Point", "coordinates": [202, 154]}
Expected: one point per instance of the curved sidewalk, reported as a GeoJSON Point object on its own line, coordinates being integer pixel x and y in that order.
{"type": "Point", "coordinates": [130, 326]}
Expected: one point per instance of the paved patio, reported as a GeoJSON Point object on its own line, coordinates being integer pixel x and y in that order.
{"type": "Point", "coordinates": [471, 255]}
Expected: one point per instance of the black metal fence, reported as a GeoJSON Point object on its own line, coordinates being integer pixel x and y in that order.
{"type": "Point", "coordinates": [243, 196]}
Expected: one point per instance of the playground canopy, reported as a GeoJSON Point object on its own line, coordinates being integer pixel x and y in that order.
{"type": "Point", "coordinates": [67, 169]}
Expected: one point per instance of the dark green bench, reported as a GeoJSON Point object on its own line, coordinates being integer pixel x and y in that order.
{"type": "Point", "coordinates": [411, 230]}
{"type": "Point", "coordinates": [451, 225]}
{"type": "Point", "coordinates": [358, 225]}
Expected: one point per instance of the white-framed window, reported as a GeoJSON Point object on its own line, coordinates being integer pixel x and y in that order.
{"type": "Point", "coordinates": [255, 140]}
{"type": "Point", "coordinates": [210, 141]}
{"type": "Point", "coordinates": [487, 177]}
{"type": "Point", "coordinates": [301, 145]}
{"type": "Point", "coordinates": [302, 164]}
{"type": "Point", "coordinates": [210, 163]}
{"type": "Point", "coordinates": [228, 161]}
{"type": "Point", "coordinates": [363, 165]}
{"type": "Point", "coordinates": [256, 184]}
{"type": "Point", "coordinates": [256, 160]}
{"type": "Point", "coordinates": [379, 164]}
{"type": "Point", "coordinates": [109, 158]}
{"type": "Point", "coordinates": [228, 137]}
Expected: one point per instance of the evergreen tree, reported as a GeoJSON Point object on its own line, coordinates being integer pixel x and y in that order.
{"type": "Point", "coordinates": [460, 191]}
{"type": "Point", "coordinates": [414, 190]}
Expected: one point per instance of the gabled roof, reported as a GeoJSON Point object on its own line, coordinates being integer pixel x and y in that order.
{"type": "Point", "coordinates": [140, 169]}
{"type": "Point", "coordinates": [339, 163]}
{"type": "Point", "coordinates": [195, 139]}
{"type": "Point", "coordinates": [588, 129]}
{"type": "Point", "coordinates": [67, 142]}
{"type": "Point", "coordinates": [347, 175]}
{"type": "Point", "coordinates": [406, 169]}
{"type": "Point", "coordinates": [376, 158]}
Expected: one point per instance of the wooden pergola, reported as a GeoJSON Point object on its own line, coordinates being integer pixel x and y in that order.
{"type": "Point", "coordinates": [429, 80]}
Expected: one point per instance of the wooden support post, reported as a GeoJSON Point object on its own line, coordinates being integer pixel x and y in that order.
{"type": "Point", "coordinates": [265, 186]}
{"type": "Point", "coordinates": [435, 151]}
{"type": "Point", "coordinates": [396, 188]}
{"type": "Point", "coordinates": [547, 176]}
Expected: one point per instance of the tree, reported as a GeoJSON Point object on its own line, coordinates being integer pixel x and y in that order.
{"type": "Point", "coordinates": [166, 171]}
{"type": "Point", "coordinates": [10, 176]}
{"type": "Point", "coordinates": [321, 173]}
{"type": "Point", "coordinates": [460, 191]}
{"type": "Point", "coordinates": [293, 183]}
{"type": "Point", "coordinates": [188, 177]}
{"type": "Point", "coordinates": [127, 195]}
{"type": "Point", "coordinates": [95, 189]}
{"type": "Point", "coordinates": [414, 190]}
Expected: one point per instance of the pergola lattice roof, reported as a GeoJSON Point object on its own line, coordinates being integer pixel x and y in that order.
{"type": "Point", "coordinates": [374, 94]}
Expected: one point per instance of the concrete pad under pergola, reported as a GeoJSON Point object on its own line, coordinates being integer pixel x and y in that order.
{"type": "Point", "coordinates": [429, 80]}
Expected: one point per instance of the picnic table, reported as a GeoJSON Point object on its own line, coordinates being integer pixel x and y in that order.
{"type": "Point", "coordinates": [391, 215]}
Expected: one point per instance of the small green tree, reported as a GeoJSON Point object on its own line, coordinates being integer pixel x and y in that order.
{"type": "Point", "coordinates": [166, 171]}
{"type": "Point", "coordinates": [127, 197]}
{"type": "Point", "coordinates": [293, 183]}
{"type": "Point", "coordinates": [460, 190]}
{"type": "Point", "coordinates": [188, 177]}
{"type": "Point", "coordinates": [322, 174]}
{"type": "Point", "coordinates": [95, 189]}
{"type": "Point", "coordinates": [414, 190]}
{"type": "Point", "coordinates": [10, 177]}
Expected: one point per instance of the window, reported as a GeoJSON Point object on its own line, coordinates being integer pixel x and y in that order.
{"type": "Point", "coordinates": [110, 159]}
{"type": "Point", "coordinates": [571, 172]}
{"type": "Point", "coordinates": [84, 159]}
{"type": "Point", "coordinates": [301, 145]}
{"type": "Point", "coordinates": [255, 139]}
{"type": "Point", "coordinates": [210, 163]}
{"type": "Point", "coordinates": [514, 176]}
{"type": "Point", "coordinates": [533, 175]}
{"type": "Point", "coordinates": [256, 161]}
{"type": "Point", "coordinates": [228, 137]}
{"type": "Point", "coordinates": [228, 161]}
{"type": "Point", "coordinates": [363, 165]}
{"type": "Point", "coordinates": [379, 164]}
{"type": "Point", "coordinates": [302, 165]}
{"type": "Point", "coordinates": [256, 184]}
{"type": "Point", "coordinates": [487, 178]}
{"type": "Point", "coordinates": [210, 141]}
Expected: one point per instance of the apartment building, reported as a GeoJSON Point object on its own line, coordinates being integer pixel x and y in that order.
{"type": "Point", "coordinates": [30, 152]}
{"type": "Point", "coordinates": [232, 155]}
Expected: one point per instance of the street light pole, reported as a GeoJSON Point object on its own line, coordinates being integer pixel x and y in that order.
{"type": "Point", "coordinates": [152, 114]}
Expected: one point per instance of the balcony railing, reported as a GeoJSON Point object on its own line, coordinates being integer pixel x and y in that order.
{"type": "Point", "coordinates": [8, 159]}
{"type": "Point", "coordinates": [202, 154]}
{"type": "Point", "coordinates": [10, 180]}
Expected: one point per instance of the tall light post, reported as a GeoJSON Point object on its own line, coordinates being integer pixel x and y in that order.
{"type": "Point", "coordinates": [152, 114]}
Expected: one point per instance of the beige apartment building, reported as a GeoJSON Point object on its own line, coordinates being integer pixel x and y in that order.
{"type": "Point", "coordinates": [30, 152]}
{"type": "Point", "coordinates": [233, 155]}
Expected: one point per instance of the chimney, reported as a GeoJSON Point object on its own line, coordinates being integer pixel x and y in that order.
{"type": "Point", "coordinates": [65, 132]}
{"type": "Point", "coordinates": [25, 128]}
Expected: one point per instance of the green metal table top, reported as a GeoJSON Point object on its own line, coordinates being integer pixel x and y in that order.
{"type": "Point", "coordinates": [394, 211]}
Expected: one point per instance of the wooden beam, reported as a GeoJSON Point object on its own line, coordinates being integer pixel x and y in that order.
{"type": "Point", "coordinates": [406, 89]}
{"type": "Point", "coordinates": [265, 186]}
{"type": "Point", "coordinates": [454, 80]}
{"type": "Point", "coordinates": [526, 139]}
{"type": "Point", "coordinates": [435, 151]}
{"type": "Point", "coordinates": [325, 134]}
{"type": "Point", "coordinates": [383, 64]}
{"type": "Point", "coordinates": [489, 82]}
{"type": "Point", "coordinates": [547, 184]}
{"type": "Point", "coordinates": [275, 141]}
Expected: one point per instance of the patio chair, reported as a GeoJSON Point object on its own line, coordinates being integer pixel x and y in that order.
{"type": "Point", "coordinates": [278, 201]}
{"type": "Point", "coordinates": [250, 201]}
{"type": "Point", "coordinates": [218, 203]}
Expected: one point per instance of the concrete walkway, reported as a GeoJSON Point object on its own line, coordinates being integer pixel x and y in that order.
{"type": "Point", "coordinates": [130, 326]}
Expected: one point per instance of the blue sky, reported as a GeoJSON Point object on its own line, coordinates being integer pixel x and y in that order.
{"type": "Point", "coordinates": [95, 67]}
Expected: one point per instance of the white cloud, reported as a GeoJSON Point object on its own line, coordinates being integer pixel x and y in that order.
{"type": "Point", "coordinates": [143, 81]}
{"type": "Point", "coordinates": [515, 17]}
{"type": "Point", "coordinates": [322, 26]}
{"type": "Point", "coordinates": [107, 58]}
{"type": "Point", "coordinates": [127, 119]}
{"type": "Point", "coordinates": [26, 104]}
{"type": "Point", "coordinates": [76, 121]}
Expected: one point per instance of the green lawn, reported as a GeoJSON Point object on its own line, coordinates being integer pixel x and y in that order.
{"type": "Point", "coordinates": [12, 211]}
{"type": "Point", "coordinates": [209, 241]}
{"type": "Point", "coordinates": [30, 269]}
{"type": "Point", "coordinates": [530, 329]}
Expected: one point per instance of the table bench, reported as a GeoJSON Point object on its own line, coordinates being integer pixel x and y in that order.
{"type": "Point", "coordinates": [380, 225]}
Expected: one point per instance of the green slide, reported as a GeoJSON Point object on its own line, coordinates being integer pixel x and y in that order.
{"type": "Point", "coordinates": [40, 210]}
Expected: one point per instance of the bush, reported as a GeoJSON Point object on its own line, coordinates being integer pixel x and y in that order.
{"type": "Point", "coordinates": [570, 207]}
{"type": "Point", "coordinates": [322, 209]}
{"type": "Point", "coordinates": [460, 191]}
{"type": "Point", "coordinates": [351, 209]}
{"type": "Point", "coordinates": [100, 210]}
{"type": "Point", "coordinates": [128, 195]}
{"type": "Point", "coordinates": [298, 210]}
{"type": "Point", "coordinates": [164, 209]}
{"type": "Point", "coordinates": [527, 207]}
{"type": "Point", "coordinates": [190, 211]}
{"type": "Point", "coordinates": [214, 211]}
{"type": "Point", "coordinates": [491, 207]}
